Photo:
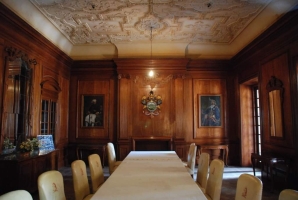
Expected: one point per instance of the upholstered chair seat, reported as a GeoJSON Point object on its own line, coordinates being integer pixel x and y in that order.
{"type": "Point", "coordinates": [96, 171]}
{"type": "Point", "coordinates": [249, 187]}
{"type": "Point", "coordinates": [51, 186]}
{"type": "Point", "coordinates": [113, 164]}
{"type": "Point", "coordinates": [80, 180]}
{"type": "Point", "coordinates": [214, 182]}
{"type": "Point", "coordinates": [16, 195]}
{"type": "Point", "coordinates": [202, 173]}
{"type": "Point", "coordinates": [288, 194]}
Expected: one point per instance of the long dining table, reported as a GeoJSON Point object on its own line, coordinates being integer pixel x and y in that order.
{"type": "Point", "coordinates": [150, 175]}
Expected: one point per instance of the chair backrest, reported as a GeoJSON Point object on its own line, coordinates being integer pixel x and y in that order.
{"type": "Point", "coordinates": [51, 186]}
{"type": "Point", "coordinates": [203, 166]}
{"type": "Point", "coordinates": [249, 187]}
{"type": "Point", "coordinates": [288, 194]}
{"type": "Point", "coordinates": [191, 157]}
{"type": "Point", "coordinates": [80, 179]}
{"type": "Point", "coordinates": [214, 182]}
{"type": "Point", "coordinates": [111, 156]}
{"type": "Point", "coordinates": [16, 195]}
{"type": "Point", "coordinates": [96, 171]}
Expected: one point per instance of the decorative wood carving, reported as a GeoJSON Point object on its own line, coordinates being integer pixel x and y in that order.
{"type": "Point", "coordinates": [274, 84]}
{"type": "Point", "coordinates": [17, 95]}
{"type": "Point", "coordinates": [155, 81]}
{"type": "Point", "coordinates": [50, 81]}
{"type": "Point", "coordinates": [127, 76]}
{"type": "Point", "coordinates": [14, 53]}
{"type": "Point", "coordinates": [151, 104]}
{"type": "Point", "coordinates": [275, 97]}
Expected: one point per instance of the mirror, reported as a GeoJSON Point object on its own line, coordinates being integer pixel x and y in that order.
{"type": "Point", "coordinates": [16, 97]}
{"type": "Point", "coordinates": [275, 94]}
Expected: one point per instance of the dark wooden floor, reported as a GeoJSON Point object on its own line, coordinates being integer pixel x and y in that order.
{"type": "Point", "coordinates": [230, 177]}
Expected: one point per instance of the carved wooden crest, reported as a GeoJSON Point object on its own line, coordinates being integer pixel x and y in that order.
{"type": "Point", "coordinates": [151, 104]}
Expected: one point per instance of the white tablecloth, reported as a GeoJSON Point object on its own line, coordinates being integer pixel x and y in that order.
{"type": "Point", "coordinates": [150, 175]}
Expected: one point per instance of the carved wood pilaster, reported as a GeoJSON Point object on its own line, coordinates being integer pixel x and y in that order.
{"type": "Point", "coordinates": [127, 76]}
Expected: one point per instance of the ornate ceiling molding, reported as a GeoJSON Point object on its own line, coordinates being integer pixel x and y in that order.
{"type": "Point", "coordinates": [128, 21]}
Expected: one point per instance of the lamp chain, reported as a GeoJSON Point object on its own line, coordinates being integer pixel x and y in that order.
{"type": "Point", "coordinates": [151, 41]}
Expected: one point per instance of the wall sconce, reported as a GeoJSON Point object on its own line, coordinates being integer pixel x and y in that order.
{"type": "Point", "coordinates": [151, 104]}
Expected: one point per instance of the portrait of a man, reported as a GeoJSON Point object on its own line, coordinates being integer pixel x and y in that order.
{"type": "Point", "coordinates": [210, 111]}
{"type": "Point", "coordinates": [93, 110]}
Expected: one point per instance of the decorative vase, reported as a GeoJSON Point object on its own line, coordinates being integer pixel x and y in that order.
{"type": "Point", "coordinates": [35, 152]}
{"type": "Point", "coordinates": [8, 151]}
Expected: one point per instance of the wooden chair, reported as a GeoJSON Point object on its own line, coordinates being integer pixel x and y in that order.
{"type": "Point", "coordinates": [202, 173]}
{"type": "Point", "coordinates": [51, 186]}
{"type": "Point", "coordinates": [288, 194]}
{"type": "Point", "coordinates": [249, 187]}
{"type": "Point", "coordinates": [191, 159]}
{"type": "Point", "coordinates": [96, 171]}
{"type": "Point", "coordinates": [80, 180]}
{"type": "Point", "coordinates": [16, 195]}
{"type": "Point", "coordinates": [214, 182]}
{"type": "Point", "coordinates": [113, 164]}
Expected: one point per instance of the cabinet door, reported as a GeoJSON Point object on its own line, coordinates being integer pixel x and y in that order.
{"type": "Point", "coordinates": [23, 174]}
{"type": "Point", "coordinates": [39, 166]}
{"type": "Point", "coordinates": [25, 178]}
{"type": "Point", "coordinates": [8, 176]}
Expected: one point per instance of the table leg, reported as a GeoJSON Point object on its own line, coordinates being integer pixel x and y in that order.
{"type": "Point", "coordinates": [227, 154]}
{"type": "Point", "coordinates": [271, 175]}
{"type": "Point", "coordinates": [253, 165]}
{"type": "Point", "coordinates": [77, 153]}
{"type": "Point", "coordinates": [103, 155]}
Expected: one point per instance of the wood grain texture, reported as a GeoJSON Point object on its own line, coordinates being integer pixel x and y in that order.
{"type": "Point", "coordinates": [247, 139]}
{"type": "Point", "coordinates": [52, 64]}
{"type": "Point", "coordinates": [209, 87]}
{"type": "Point", "coordinates": [277, 67]}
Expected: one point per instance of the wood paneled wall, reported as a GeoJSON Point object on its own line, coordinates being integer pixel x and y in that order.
{"type": "Point", "coordinates": [279, 68]}
{"type": "Point", "coordinates": [274, 53]}
{"type": "Point", "coordinates": [216, 135]}
{"type": "Point", "coordinates": [92, 78]}
{"type": "Point", "coordinates": [136, 83]}
{"type": "Point", "coordinates": [52, 66]}
{"type": "Point", "coordinates": [179, 90]}
{"type": "Point", "coordinates": [126, 81]}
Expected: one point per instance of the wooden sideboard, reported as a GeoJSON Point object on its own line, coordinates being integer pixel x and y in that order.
{"type": "Point", "coordinates": [223, 147]}
{"type": "Point", "coordinates": [100, 149]}
{"type": "Point", "coordinates": [19, 172]}
{"type": "Point", "coordinates": [272, 165]}
{"type": "Point", "coordinates": [152, 143]}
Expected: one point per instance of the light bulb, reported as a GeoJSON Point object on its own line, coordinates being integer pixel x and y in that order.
{"type": "Point", "coordinates": [151, 73]}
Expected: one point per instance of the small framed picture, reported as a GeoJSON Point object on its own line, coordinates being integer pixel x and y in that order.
{"type": "Point", "coordinates": [210, 110]}
{"type": "Point", "coordinates": [92, 111]}
{"type": "Point", "coordinates": [46, 143]}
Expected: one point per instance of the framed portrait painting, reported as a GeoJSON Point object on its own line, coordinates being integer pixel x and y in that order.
{"type": "Point", "coordinates": [210, 110]}
{"type": "Point", "coordinates": [92, 111]}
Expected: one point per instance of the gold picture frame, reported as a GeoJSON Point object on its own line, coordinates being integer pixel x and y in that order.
{"type": "Point", "coordinates": [92, 111]}
{"type": "Point", "coordinates": [210, 111]}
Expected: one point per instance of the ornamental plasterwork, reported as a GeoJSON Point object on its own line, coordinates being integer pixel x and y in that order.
{"type": "Point", "coordinates": [155, 81]}
{"type": "Point", "coordinates": [128, 21]}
